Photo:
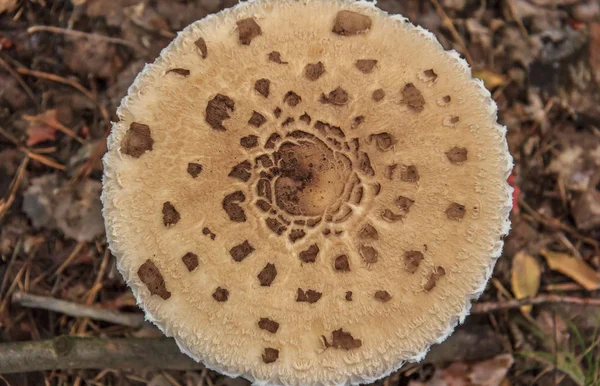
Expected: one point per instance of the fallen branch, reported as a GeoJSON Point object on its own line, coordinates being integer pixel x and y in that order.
{"type": "Point", "coordinates": [67, 352]}
{"type": "Point", "coordinates": [485, 307]}
{"type": "Point", "coordinates": [78, 310]}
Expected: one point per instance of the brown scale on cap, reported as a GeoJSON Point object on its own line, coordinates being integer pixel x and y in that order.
{"type": "Point", "coordinates": [194, 169]}
{"type": "Point", "coordinates": [275, 226]}
{"type": "Point", "coordinates": [270, 355]}
{"type": "Point", "coordinates": [368, 253]}
{"type": "Point", "coordinates": [456, 211]}
{"type": "Point", "coordinates": [368, 232]}
{"type": "Point", "coordinates": [267, 275]}
{"type": "Point", "coordinates": [348, 23]}
{"type": "Point", "coordinates": [305, 118]}
{"type": "Point", "coordinates": [430, 75]}
{"type": "Point", "coordinates": [170, 214]}
{"type": "Point", "coordinates": [241, 251]}
{"type": "Point", "coordinates": [221, 294]}
{"type": "Point", "coordinates": [437, 273]}
{"type": "Point", "coordinates": [275, 57]}
{"type": "Point", "coordinates": [248, 29]}
{"type": "Point", "coordinates": [190, 260]}
{"type": "Point", "coordinates": [263, 205]}
{"type": "Point", "coordinates": [357, 121]}
{"type": "Point", "coordinates": [201, 44]}
{"type": "Point", "coordinates": [207, 232]}
{"type": "Point", "coordinates": [384, 140]}
{"type": "Point", "coordinates": [365, 66]}
{"type": "Point", "coordinates": [232, 208]}
{"type": "Point", "coordinates": [292, 99]}
{"type": "Point", "coordinates": [257, 119]}
{"type": "Point", "coordinates": [263, 86]}
{"type": "Point", "coordinates": [383, 296]}
{"type": "Point", "coordinates": [288, 121]}
{"type": "Point", "coordinates": [179, 71]}
{"type": "Point", "coordinates": [152, 278]}
{"type": "Point", "coordinates": [378, 95]}
{"type": "Point", "coordinates": [313, 71]}
{"type": "Point", "coordinates": [268, 325]}
{"type": "Point", "coordinates": [365, 164]}
{"type": "Point", "coordinates": [342, 264]}
{"type": "Point", "coordinates": [389, 216]}
{"type": "Point", "coordinates": [310, 254]}
{"type": "Point", "coordinates": [404, 203]}
{"type": "Point", "coordinates": [277, 112]}
{"type": "Point", "coordinates": [412, 97]}
{"type": "Point", "coordinates": [137, 140]}
{"type": "Point", "coordinates": [241, 171]}
{"type": "Point", "coordinates": [308, 296]}
{"type": "Point", "coordinates": [249, 141]}
{"type": "Point", "coordinates": [348, 296]}
{"type": "Point", "coordinates": [390, 170]}
{"type": "Point", "coordinates": [217, 111]}
{"type": "Point", "coordinates": [296, 234]}
{"type": "Point", "coordinates": [412, 259]}
{"type": "Point", "coordinates": [457, 155]}
{"type": "Point", "coordinates": [409, 173]}
{"type": "Point", "coordinates": [337, 97]}
{"type": "Point", "coordinates": [342, 340]}
{"type": "Point", "coordinates": [270, 144]}
{"type": "Point", "coordinates": [264, 160]}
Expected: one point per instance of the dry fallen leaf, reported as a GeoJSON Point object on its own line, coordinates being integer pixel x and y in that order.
{"type": "Point", "coordinates": [38, 129]}
{"type": "Point", "coordinates": [7, 5]}
{"type": "Point", "coordinates": [574, 268]}
{"type": "Point", "coordinates": [490, 78]}
{"type": "Point", "coordinates": [525, 277]}
{"type": "Point", "coordinates": [490, 372]}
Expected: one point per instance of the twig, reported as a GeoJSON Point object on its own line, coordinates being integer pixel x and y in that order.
{"type": "Point", "coordinates": [57, 79]}
{"type": "Point", "coordinates": [448, 23]}
{"type": "Point", "coordinates": [31, 154]}
{"type": "Point", "coordinates": [84, 35]}
{"type": "Point", "coordinates": [78, 310]}
{"type": "Point", "coordinates": [68, 352]}
{"type": "Point", "coordinates": [6, 203]}
{"type": "Point", "coordinates": [55, 125]}
{"type": "Point", "coordinates": [485, 307]}
{"type": "Point", "coordinates": [556, 224]}
{"type": "Point", "coordinates": [21, 82]}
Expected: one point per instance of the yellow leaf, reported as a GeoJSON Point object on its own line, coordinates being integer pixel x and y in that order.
{"type": "Point", "coordinates": [525, 277]}
{"type": "Point", "coordinates": [490, 78]}
{"type": "Point", "coordinates": [574, 268]}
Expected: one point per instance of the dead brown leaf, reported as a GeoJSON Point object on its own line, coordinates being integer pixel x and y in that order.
{"type": "Point", "coordinates": [490, 372]}
{"type": "Point", "coordinates": [574, 268]}
{"type": "Point", "coordinates": [525, 277]}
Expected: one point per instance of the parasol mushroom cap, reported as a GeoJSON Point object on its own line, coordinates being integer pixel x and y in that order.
{"type": "Point", "coordinates": [306, 191]}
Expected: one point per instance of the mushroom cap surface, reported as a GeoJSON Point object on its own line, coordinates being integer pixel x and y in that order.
{"type": "Point", "coordinates": [306, 192]}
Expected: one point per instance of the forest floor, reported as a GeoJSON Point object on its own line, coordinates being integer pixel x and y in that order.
{"type": "Point", "coordinates": [59, 90]}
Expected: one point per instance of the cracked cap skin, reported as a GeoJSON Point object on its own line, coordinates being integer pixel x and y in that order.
{"type": "Point", "coordinates": [306, 192]}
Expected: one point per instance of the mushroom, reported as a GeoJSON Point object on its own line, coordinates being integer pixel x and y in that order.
{"type": "Point", "coordinates": [322, 220]}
